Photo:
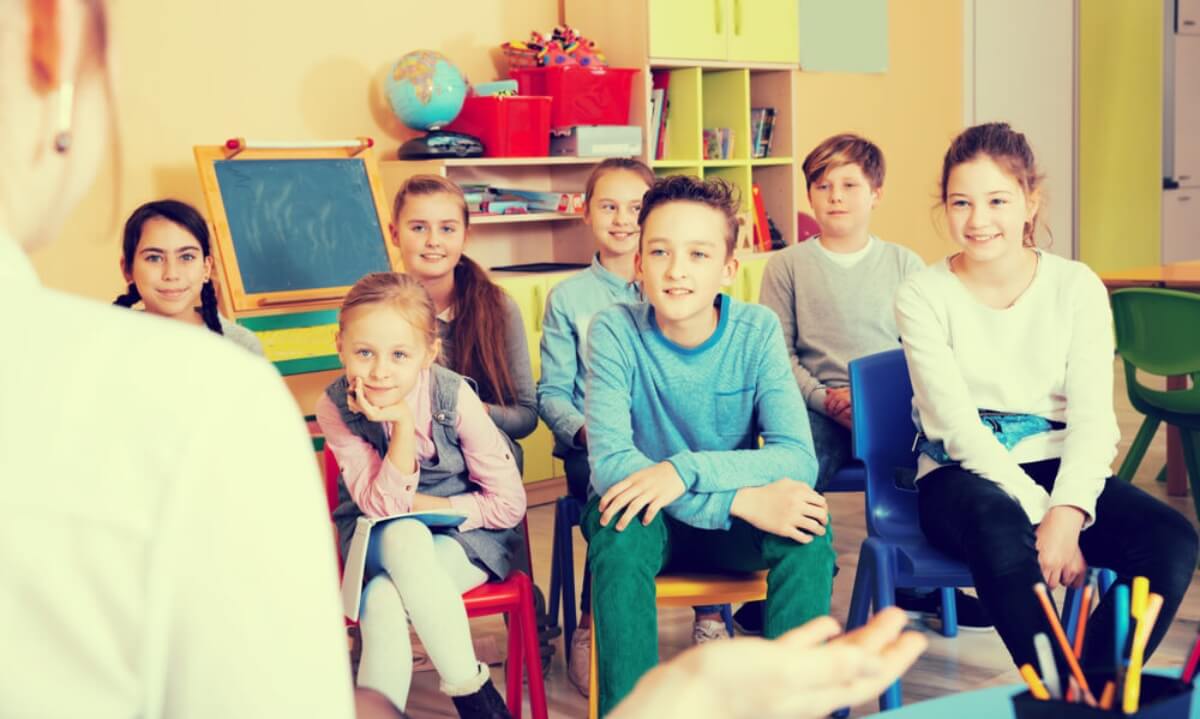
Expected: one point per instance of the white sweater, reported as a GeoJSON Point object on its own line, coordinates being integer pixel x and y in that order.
{"type": "Point", "coordinates": [1050, 354]}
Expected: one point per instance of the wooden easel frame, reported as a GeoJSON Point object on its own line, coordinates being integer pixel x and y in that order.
{"type": "Point", "coordinates": [235, 302]}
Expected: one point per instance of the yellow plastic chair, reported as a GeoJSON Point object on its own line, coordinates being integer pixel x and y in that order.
{"type": "Point", "coordinates": [687, 590]}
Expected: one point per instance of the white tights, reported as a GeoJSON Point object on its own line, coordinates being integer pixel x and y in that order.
{"type": "Point", "coordinates": [423, 580]}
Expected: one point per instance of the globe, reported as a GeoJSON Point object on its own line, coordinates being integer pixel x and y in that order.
{"type": "Point", "coordinates": [426, 91]}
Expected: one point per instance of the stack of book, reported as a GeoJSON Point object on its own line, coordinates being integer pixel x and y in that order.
{"type": "Point", "coordinates": [762, 130]}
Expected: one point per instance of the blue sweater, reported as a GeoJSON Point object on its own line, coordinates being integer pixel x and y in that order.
{"type": "Point", "coordinates": [569, 310]}
{"type": "Point", "coordinates": [702, 408]}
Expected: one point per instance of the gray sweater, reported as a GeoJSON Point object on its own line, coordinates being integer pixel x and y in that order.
{"type": "Point", "coordinates": [520, 419]}
{"type": "Point", "coordinates": [832, 314]}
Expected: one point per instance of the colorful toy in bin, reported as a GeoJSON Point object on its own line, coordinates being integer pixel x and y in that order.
{"type": "Point", "coordinates": [564, 47]}
{"type": "Point", "coordinates": [426, 92]}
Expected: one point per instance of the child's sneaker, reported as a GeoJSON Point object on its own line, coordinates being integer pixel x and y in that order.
{"type": "Point", "coordinates": [579, 659]}
{"type": "Point", "coordinates": [708, 630]}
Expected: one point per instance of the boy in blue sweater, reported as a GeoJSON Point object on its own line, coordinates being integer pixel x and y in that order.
{"type": "Point", "coordinates": [679, 391]}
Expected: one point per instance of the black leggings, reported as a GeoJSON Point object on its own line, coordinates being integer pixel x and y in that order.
{"type": "Point", "coordinates": [971, 518]}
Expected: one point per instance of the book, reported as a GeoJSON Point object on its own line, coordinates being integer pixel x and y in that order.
{"type": "Point", "coordinates": [769, 132]}
{"type": "Point", "coordinates": [356, 557]}
{"type": "Point", "coordinates": [758, 126]}
{"type": "Point", "coordinates": [762, 236]}
{"type": "Point", "coordinates": [660, 83]}
{"type": "Point", "coordinates": [657, 99]}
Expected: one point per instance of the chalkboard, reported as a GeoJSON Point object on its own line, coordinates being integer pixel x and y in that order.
{"type": "Point", "coordinates": [301, 224]}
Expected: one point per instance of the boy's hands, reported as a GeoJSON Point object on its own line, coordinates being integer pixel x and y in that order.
{"type": "Point", "coordinates": [838, 407]}
{"type": "Point", "coordinates": [651, 489]}
{"type": "Point", "coordinates": [785, 507]}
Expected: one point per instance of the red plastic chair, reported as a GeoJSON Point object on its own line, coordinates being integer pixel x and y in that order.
{"type": "Point", "coordinates": [513, 597]}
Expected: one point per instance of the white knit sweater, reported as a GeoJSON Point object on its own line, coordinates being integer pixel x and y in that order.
{"type": "Point", "coordinates": [1049, 354]}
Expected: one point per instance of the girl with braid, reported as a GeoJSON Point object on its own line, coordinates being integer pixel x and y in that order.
{"type": "Point", "coordinates": [167, 261]}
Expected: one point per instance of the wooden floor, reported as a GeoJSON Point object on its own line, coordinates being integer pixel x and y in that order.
{"type": "Point", "coordinates": [969, 661]}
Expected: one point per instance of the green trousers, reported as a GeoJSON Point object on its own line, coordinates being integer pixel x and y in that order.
{"type": "Point", "coordinates": [624, 565]}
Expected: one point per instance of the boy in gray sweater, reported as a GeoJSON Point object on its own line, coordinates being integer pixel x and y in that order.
{"type": "Point", "coordinates": [834, 295]}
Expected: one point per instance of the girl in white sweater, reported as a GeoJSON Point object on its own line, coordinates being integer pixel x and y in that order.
{"type": "Point", "coordinates": [1003, 327]}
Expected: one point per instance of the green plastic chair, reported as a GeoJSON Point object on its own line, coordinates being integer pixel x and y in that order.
{"type": "Point", "coordinates": [1158, 332]}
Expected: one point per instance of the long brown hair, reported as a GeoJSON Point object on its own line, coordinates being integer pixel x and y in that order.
{"type": "Point", "coordinates": [477, 346]}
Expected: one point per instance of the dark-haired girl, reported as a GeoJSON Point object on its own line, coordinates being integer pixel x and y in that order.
{"type": "Point", "coordinates": [167, 261]}
{"type": "Point", "coordinates": [480, 326]}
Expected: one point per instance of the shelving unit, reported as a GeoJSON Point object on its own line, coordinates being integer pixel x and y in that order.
{"type": "Point", "coordinates": [497, 240]}
{"type": "Point", "coordinates": [722, 59]}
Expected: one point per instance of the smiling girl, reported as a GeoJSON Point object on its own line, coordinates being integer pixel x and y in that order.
{"type": "Point", "coordinates": [480, 326]}
{"type": "Point", "coordinates": [410, 435]}
{"type": "Point", "coordinates": [167, 261]}
{"type": "Point", "coordinates": [1002, 326]}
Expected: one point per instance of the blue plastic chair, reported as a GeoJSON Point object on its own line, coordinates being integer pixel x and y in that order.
{"type": "Point", "coordinates": [895, 552]}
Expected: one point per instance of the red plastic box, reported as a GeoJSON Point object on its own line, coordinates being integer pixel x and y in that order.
{"type": "Point", "coordinates": [582, 95]}
{"type": "Point", "coordinates": [507, 126]}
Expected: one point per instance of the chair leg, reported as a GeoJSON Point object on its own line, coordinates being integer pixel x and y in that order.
{"type": "Point", "coordinates": [1190, 439]}
{"type": "Point", "coordinates": [552, 602]}
{"type": "Point", "coordinates": [949, 612]}
{"type": "Point", "coordinates": [885, 596]}
{"type": "Point", "coordinates": [513, 664]}
{"type": "Point", "coordinates": [533, 660]}
{"type": "Point", "coordinates": [1161, 477]}
{"type": "Point", "coordinates": [727, 617]}
{"type": "Point", "coordinates": [568, 593]}
{"type": "Point", "coordinates": [594, 674]}
{"type": "Point", "coordinates": [1137, 449]}
{"type": "Point", "coordinates": [860, 597]}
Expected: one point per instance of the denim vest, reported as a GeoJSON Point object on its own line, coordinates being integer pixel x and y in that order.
{"type": "Point", "coordinates": [443, 475]}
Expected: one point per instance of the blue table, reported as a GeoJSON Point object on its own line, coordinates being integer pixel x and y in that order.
{"type": "Point", "coordinates": [990, 703]}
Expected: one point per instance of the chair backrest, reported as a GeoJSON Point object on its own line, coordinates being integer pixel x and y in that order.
{"type": "Point", "coordinates": [806, 227]}
{"type": "Point", "coordinates": [881, 393]}
{"type": "Point", "coordinates": [331, 472]}
{"type": "Point", "coordinates": [1157, 329]}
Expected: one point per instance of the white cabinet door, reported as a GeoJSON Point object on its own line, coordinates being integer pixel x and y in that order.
{"type": "Point", "coordinates": [1181, 225]}
{"type": "Point", "coordinates": [1188, 18]}
{"type": "Point", "coordinates": [1187, 110]}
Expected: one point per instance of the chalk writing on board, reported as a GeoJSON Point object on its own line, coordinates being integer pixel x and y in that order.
{"type": "Point", "coordinates": [301, 224]}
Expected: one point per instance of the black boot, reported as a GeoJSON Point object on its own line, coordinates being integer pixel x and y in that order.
{"type": "Point", "coordinates": [483, 703]}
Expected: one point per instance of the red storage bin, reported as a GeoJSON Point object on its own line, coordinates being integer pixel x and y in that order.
{"type": "Point", "coordinates": [513, 126]}
{"type": "Point", "coordinates": [582, 95]}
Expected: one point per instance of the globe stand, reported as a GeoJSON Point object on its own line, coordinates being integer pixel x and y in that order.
{"type": "Point", "coordinates": [440, 144]}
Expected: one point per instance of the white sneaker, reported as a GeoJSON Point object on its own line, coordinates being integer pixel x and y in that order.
{"type": "Point", "coordinates": [579, 659]}
{"type": "Point", "coordinates": [708, 630]}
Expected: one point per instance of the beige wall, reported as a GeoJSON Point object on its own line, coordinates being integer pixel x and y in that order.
{"type": "Point", "coordinates": [912, 112]}
{"type": "Point", "coordinates": [190, 72]}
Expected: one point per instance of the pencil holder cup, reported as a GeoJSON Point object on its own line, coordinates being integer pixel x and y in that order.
{"type": "Point", "coordinates": [1160, 698]}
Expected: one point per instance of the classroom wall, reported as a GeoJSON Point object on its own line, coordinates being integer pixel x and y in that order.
{"type": "Point", "coordinates": [194, 72]}
{"type": "Point", "coordinates": [1120, 133]}
{"type": "Point", "coordinates": [912, 112]}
